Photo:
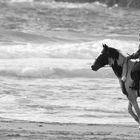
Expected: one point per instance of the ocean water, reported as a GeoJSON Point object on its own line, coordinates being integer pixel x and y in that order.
{"type": "Point", "coordinates": [46, 51]}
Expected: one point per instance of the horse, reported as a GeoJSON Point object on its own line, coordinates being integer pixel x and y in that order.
{"type": "Point", "coordinates": [117, 61]}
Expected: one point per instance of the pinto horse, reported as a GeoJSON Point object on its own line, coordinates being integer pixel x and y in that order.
{"type": "Point", "coordinates": [115, 59]}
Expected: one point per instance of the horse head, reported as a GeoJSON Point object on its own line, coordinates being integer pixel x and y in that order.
{"type": "Point", "coordinates": [102, 59]}
{"type": "Point", "coordinates": [107, 57]}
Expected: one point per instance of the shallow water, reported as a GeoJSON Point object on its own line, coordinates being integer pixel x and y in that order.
{"type": "Point", "coordinates": [46, 50]}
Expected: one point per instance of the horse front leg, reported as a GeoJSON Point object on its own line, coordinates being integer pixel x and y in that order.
{"type": "Point", "coordinates": [131, 112]}
{"type": "Point", "coordinates": [133, 99]}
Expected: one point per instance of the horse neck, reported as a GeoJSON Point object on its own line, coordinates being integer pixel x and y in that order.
{"type": "Point", "coordinates": [121, 60]}
{"type": "Point", "coordinates": [118, 64]}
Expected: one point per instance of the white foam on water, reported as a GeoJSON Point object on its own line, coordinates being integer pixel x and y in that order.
{"type": "Point", "coordinates": [69, 5]}
{"type": "Point", "coordinates": [57, 60]}
{"type": "Point", "coordinates": [85, 50]}
{"type": "Point", "coordinates": [45, 68]}
{"type": "Point", "coordinates": [21, 1]}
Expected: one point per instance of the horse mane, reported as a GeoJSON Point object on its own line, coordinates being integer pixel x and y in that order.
{"type": "Point", "coordinates": [114, 53]}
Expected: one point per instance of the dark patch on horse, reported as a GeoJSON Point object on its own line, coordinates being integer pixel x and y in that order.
{"type": "Point", "coordinates": [134, 76]}
{"type": "Point", "coordinates": [138, 85]}
{"type": "Point", "coordinates": [117, 69]}
{"type": "Point", "coordinates": [138, 93]}
{"type": "Point", "coordinates": [113, 53]}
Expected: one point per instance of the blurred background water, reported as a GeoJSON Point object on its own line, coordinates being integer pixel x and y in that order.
{"type": "Point", "coordinates": [46, 50]}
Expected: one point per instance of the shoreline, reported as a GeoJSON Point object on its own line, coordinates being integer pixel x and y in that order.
{"type": "Point", "coordinates": [17, 130]}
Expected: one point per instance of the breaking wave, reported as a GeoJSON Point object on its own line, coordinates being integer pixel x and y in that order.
{"type": "Point", "coordinates": [48, 72]}
{"type": "Point", "coordinates": [54, 4]}
{"type": "Point", "coordinates": [86, 50]}
{"type": "Point", "coordinates": [56, 59]}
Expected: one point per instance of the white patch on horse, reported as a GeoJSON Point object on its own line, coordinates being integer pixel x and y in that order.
{"type": "Point", "coordinates": [111, 61]}
{"type": "Point", "coordinates": [120, 61]}
{"type": "Point", "coordinates": [123, 63]}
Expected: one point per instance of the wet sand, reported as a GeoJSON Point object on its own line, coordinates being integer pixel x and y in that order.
{"type": "Point", "coordinates": [23, 130]}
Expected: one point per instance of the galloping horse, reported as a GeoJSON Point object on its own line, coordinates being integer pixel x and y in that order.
{"type": "Point", "coordinates": [115, 59]}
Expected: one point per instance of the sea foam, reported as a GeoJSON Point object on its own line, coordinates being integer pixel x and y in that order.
{"type": "Point", "coordinates": [57, 60]}
{"type": "Point", "coordinates": [85, 50]}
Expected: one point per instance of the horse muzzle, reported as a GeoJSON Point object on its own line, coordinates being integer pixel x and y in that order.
{"type": "Point", "coordinates": [94, 68]}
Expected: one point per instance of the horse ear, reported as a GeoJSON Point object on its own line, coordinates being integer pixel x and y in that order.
{"type": "Point", "coordinates": [105, 46]}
